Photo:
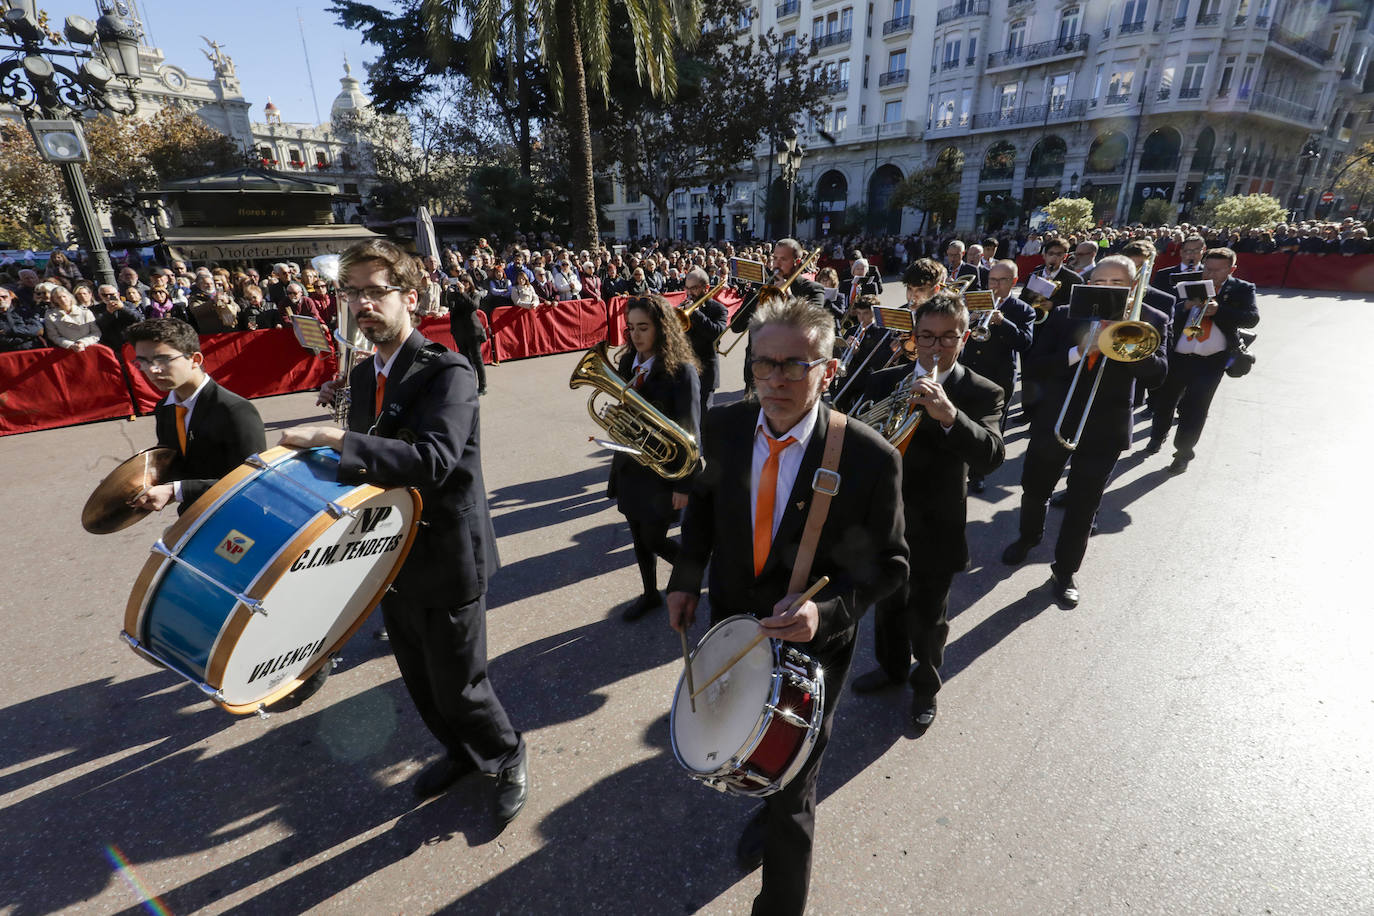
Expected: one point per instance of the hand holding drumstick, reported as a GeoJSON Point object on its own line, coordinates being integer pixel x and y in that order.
{"type": "Point", "coordinates": [793, 617]}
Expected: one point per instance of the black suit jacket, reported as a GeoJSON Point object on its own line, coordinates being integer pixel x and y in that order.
{"type": "Point", "coordinates": [1109, 424]}
{"type": "Point", "coordinates": [639, 492]}
{"type": "Point", "coordinates": [1066, 279]}
{"type": "Point", "coordinates": [463, 322]}
{"type": "Point", "coordinates": [1166, 278]}
{"type": "Point", "coordinates": [428, 437]}
{"type": "Point", "coordinates": [861, 546]}
{"type": "Point", "coordinates": [225, 429]}
{"type": "Point", "coordinates": [1236, 308]}
{"type": "Point", "coordinates": [708, 323]}
{"type": "Point", "coordinates": [995, 357]}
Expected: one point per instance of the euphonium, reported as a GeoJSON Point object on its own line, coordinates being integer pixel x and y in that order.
{"type": "Point", "coordinates": [655, 440]}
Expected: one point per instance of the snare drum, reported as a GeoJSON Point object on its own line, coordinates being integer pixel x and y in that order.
{"type": "Point", "coordinates": [267, 575]}
{"type": "Point", "coordinates": [753, 728]}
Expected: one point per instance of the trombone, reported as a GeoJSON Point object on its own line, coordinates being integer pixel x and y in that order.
{"type": "Point", "coordinates": [1127, 341]}
{"type": "Point", "coordinates": [685, 314]}
{"type": "Point", "coordinates": [739, 325]}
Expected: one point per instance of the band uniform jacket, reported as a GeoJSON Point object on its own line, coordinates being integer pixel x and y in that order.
{"type": "Point", "coordinates": [223, 431]}
{"type": "Point", "coordinates": [428, 437]}
{"type": "Point", "coordinates": [708, 323]}
{"type": "Point", "coordinates": [994, 358]}
{"type": "Point", "coordinates": [1066, 279]}
{"type": "Point", "coordinates": [1109, 424]}
{"type": "Point", "coordinates": [965, 269]}
{"type": "Point", "coordinates": [937, 463]}
{"type": "Point", "coordinates": [1236, 308]}
{"type": "Point", "coordinates": [639, 492]}
{"type": "Point", "coordinates": [861, 548]}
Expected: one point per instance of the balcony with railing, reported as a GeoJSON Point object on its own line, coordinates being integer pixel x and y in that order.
{"type": "Point", "coordinates": [1300, 47]}
{"type": "Point", "coordinates": [1208, 19]}
{"type": "Point", "coordinates": [962, 9]}
{"type": "Point", "coordinates": [950, 64]}
{"type": "Point", "coordinates": [789, 9]}
{"type": "Point", "coordinates": [894, 78]}
{"type": "Point", "coordinates": [833, 39]}
{"type": "Point", "coordinates": [898, 24]}
{"type": "Point", "coordinates": [1043, 50]}
{"type": "Point", "coordinates": [1030, 114]}
{"type": "Point", "coordinates": [1190, 92]}
{"type": "Point", "coordinates": [890, 130]}
{"type": "Point", "coordinates": [839, 87]}
{"type": "Point", "coordinates": [1287, 109]}
{"type": "Point", "coordinates": [1117, 98]}
{"type": "Point", "coordinates": [1131, 28]}
{"type": "Point", "coordinates": [1180, 23]}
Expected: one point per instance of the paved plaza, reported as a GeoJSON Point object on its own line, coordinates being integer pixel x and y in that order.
{"type": "Point", "coordinates": [1196, 737]}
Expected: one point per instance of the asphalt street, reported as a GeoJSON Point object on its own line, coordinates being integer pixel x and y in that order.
{"type": "Point", "coordinates": [1196, 737]}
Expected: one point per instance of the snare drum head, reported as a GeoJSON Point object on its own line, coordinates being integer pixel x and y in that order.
{"type": "Point", "coordinates": [729, 710]}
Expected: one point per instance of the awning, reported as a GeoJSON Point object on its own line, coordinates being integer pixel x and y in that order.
{"type": "Point", "coordinates": [209, 243]}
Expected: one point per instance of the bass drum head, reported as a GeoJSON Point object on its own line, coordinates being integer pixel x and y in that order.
{"type": "Point", "coordinates": [323, 592]}
{"type": "Point", "coordinates": [729, 711]}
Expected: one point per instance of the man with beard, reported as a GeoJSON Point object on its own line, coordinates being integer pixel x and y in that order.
{"type": "Point", "coordinates": [413, 422]}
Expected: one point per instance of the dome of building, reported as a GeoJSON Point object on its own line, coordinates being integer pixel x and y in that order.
{"type": "Point", "coordinates": [350, 99]}
{"type": "Point", "coordinates": [270, 106]}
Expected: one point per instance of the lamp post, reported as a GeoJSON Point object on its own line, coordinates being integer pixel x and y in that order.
{"type": "Point", "coordinates": [789, 163]}
{"type": "Point", "coordinates": [1311, 153]}
{"type": "Point", "coordinates": [54, 95]}
{"type": "Point", "coordinates": [1331, 186]}
{"type": "Point", "coordinates": [1073, 185]}
{"type": "Point", "coordinates": [720, 196]}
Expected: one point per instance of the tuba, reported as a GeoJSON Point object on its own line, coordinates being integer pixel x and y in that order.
{"type": "Point", "coordinates": [349, 337]}
{"type": "Point", "coordinates": [639, 427]}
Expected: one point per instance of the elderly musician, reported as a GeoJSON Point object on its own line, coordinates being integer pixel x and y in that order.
{"type": "Point", "coordinates": [708, 323]}
{"type": "Point", "coordinates": [745, 520]}
{"type": "Point", "coordinates": [957, 436]}
{"type": "Point", "coordinates": [1059, 346]}
{"type": "Point", "coordinates": [413, 422]}
{"type": "Point", "coordinates": [787, 256]}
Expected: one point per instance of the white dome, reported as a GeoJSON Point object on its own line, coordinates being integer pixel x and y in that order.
{"type": "Point", "coordinates": [350, 98]}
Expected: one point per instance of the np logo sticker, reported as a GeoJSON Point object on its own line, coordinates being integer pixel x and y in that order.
{"type": "Point", "coordinates": [234, 546]}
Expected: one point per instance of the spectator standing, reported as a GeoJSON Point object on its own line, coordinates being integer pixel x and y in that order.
{"type": "Point", "coordinates": [18, 331]}
{"type": "Point", "coordinates": [523, 294]}
{"type": "Point", "coordinates": [59, 265]}
{"type": "Point", "coordinates": [566, 285]}
{"type": "Point", "coordinates": [543, 286]}
{"type": "Point", "coordinates": [113, 316]}
{"type": "Point", "coordinates": [465, 325]}
{"type": "Point", "coordinates": [591, 283]}
{"type": "Point", "coordinates": [68, 325]}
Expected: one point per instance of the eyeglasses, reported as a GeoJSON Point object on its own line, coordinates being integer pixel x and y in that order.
{"type": "Point", "coordinates": [944, 340]}
{"type": "Point", "coordinates": [367, 293]}
{"type": "Point", "coordinates": [162, 362]}
{"type": "Point", "coordinates": [793, 370]}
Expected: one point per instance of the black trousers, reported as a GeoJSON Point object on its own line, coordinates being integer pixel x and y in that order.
{"type": "Point", "coordinates": [789, 816]}
{"type": "Point", "coordinates": [707, 396]}
{"type": "Point", "coordinates": [442, 654]}
{"type": "Point", "coordinates": [650, 537]}
{"type": "Point", "coordinates": [1189, 389]}
{"type": "Point", "coordinates": [913, 623]}
{"type": "Point", "coordinates": [1089, 473]}
{"type": "Point", "coordinates": [1008, 385]}
{"type": "Point", "coordinates": [472, 349]}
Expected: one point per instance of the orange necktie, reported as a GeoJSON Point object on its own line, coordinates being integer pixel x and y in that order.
{"type": "Point", "coordinates": [638, 382]}
{"type": "Point", "coordinates": [180, 426]}
{"type": "Point", "coordinates": [763, 513]}
{"type": "Point", "coordinates": [1092, 359]}
{"type": "Point", "coordinates": [381, 396]}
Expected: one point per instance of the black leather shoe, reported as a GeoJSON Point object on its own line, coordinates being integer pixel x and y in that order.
{"type": "Point", "coordinates": [1065, 591]}
{"type": "Point", "coordinates": [873, 681]}
{"type": "Point", "coordinates": [1058, 499]}
{"type": "Point", "coordinates": [749, 850]}
{"type": "Point", "coordinates": [1178, 466]}
{"type": "Point", "coordinates": [642, 605]}
{"type": "Point", "coordinates": [382, 635]}
{"type": "Point", "coordinates": [976, 485]}
{"type": "Point", "coordinates": [922, 712]}
{"type": "Point", "coordinates": [1016, 551]}
{"type": "Point", "coordinates": [438, 776]}
{"type": "Point", "coordinates": [1154, 447]}
{"type": "Point", "coordinates": [512, 788]}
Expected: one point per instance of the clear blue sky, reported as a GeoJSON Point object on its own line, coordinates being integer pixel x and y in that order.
{"type": "Point", "coordinates": [264, 40]}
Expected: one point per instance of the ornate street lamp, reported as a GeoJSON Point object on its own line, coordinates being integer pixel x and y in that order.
{"type": "Point", "coordinates": [789, 162]}
{"type": "Point", "coordinates": [720, 196]}
{"type": "Point", "coordinates": [55, 87]}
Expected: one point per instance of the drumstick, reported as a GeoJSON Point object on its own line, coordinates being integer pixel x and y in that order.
{"type": "Point", "coordinates": [687, 663]}
{"type": "Point", "coordinates": [804, 597]}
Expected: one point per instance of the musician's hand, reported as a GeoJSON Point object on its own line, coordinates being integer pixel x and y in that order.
{"type": "Point", "coordinates": [155, 498]}
{"type": "Point", "coordinates": [312, 437]}
{"type": "Point", "coordinates": [326, 398]}
{"type": "Point", "coordinates": [679, 501]}
{"type": "Point", "coordinates": [997, 317]}
{"type": "Point", "coordinates": [1211, 308]}
{"type": "Point", "coordinates": [793, 626]}
{"type": "Point", "coordinates": [682, 610]}
{"type": "Point", "coordinates": [930, 394]}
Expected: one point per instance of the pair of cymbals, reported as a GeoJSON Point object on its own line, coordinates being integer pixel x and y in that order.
{"type": "Point", "coordinates": [107, 509]}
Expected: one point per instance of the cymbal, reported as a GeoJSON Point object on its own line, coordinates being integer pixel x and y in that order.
{"type": "Point", "coordinates": [107, 509]}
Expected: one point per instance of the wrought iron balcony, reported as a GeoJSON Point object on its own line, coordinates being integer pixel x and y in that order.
{"type": "Point", "coordinates": [831, 39]}
{"type": "Point", "coordinates": [950, 64]}
{"type": "Point", "coordinates": [1299, 45]}
{"type": "Point", "coordinates": [839, 87]}
{"type": "Point", "coordinates": [1164, 93]}
{"type": "Point", "coordinates": [790, 8]}
{"type": "Point", "coordinates": [1240, 21]}
{"type": "Point", "coordinates": [894, 77]}
{"type": "Point", "coordinates": [1118, 98]}
{"type": "Point", "coordinates": [1131, 28]}
{"type": "Point", "coordinates": [1159, 163]}
{"type": "Point", "coordinates": [1206, 19]}
{"type": "Point", "coordinates": [1194, 92]}
{"type": "Point", "coordinates": [1284, 108]}
{"type": "Point", "coordinates": [1026, 54]}
{"type": "Point", "coordinates": [961, 9]}
{"type": "Point", "coordinates": [1180, 23]}
{"type": "Point", "coordinates": [897, 24]}
{"type": "Point", "coordinates": [1031, 114]}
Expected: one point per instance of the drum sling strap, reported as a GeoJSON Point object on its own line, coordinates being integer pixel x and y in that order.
{"type": "Point", "coordinates": [825, 483]}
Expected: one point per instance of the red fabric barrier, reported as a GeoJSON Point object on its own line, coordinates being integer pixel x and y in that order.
{"type": "Point", "coordinates": [1263, 270]}
{"type": "Point", "coordinates": [43, 389]}
{"type": "Point", "coordinates": [252, 364]}
{"type": "Point", "coordinates": [441, 330]}
{"type": "Point", "coordinates": [615, 311]}
{"type": "Point", "coordinates": [559, 328]}
{"type": "Point", "coordinates": [1352, 273]}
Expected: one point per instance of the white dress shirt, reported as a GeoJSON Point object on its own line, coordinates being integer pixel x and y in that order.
{"type": "Point", "coordinates": [789, 461]}
{"type": "Point", "coordinates": [190, 404]}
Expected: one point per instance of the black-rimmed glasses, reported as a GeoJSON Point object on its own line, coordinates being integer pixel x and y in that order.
{"type": "Point", "coordinates": [350, 294]}
{"type": "Point", "coordinates": [793, 370]}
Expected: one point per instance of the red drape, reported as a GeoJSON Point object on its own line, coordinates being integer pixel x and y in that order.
{"type": "Point", "coordinates": [43, 389]}
{"type": "Point", "coordinates": [558, 328]}
{"type": "Point", "coordinates": [1352, 273]}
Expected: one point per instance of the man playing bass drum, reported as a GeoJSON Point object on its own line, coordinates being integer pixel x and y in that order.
{"type": "Point", "coordinates": [958, 436]}
{"type": "Point", "coordinates": [745, 519]}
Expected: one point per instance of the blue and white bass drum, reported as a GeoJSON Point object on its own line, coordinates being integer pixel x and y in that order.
{"type": "Point", "coordinates": [267, 575]}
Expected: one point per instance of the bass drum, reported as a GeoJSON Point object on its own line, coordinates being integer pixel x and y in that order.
{"type": "Point", "coordinates": [267, 575]}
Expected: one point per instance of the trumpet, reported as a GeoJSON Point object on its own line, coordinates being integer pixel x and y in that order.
{"type": "Point", "coordinates": [1127, 341]}
{"type": "Point", "coordinates": [981, 329]}
{"type": "Point", "coordinates": [739, 325]}
{"type": "Point", "coordinates": [650, 437]}
{"type": "Point", "coordinates": [850, 348]}
{"type": "Point", "coordinates": [980, 306]}
{"type": "Point", "coordinates": [685, 314]}
{"type": "Point", "coordinates": [1193, 329]}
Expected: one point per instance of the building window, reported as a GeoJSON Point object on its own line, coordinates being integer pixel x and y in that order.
{"type": "Point", "coordinates": [1016, 35]}
{"type": "Point", "coordinates": [946, 118]}
{"type": "Point", "coordinates": [789, 42]}
{"type": "Point", "coordinates": [1119, 89]}
{"type": "Point", "coordinates": [632, 195]}
{"type": "Point", "coordinates": [1133, 12]}
{"type": "Point", "coordinates": [863, 115]}
{"type": "Point", "coordinates": [972, 48]}
{"type": "Point", "coordinates": [1193, 75]}
{"type": "Point", "coordinates": [842, 73]}
{"type": "Point", "coordinates": [1228, 73]}
{"type": "Point", "coordinates": [901, 8]}
{"type": "Point", "coordinates": [1059, 91]}
{"type": "Point", "coordinates": [1069, 23]}
{"type": "Point", "coordinates": [847, 19]}
{"type": "Point", "coordinates": [952, 52]}
{"type": "Point", "coordinates": [896, 61]}
{"type": "Point", "coordinates": [1006, 98]}
{"type": "Point", "coordinates": [841, 120]}
{"type": "Point", "coordinates": [320, 161]}
{"type": "Point", "coordinates": [892, 111]}
{"type": "Point", "coordinates": [817, 29]}
{"type": "Point", "coordinates": [966, 109]}
{"type": "Point", "coordinates": [632, 228]}
{"type": "Point", "coordinates": [296, 159]}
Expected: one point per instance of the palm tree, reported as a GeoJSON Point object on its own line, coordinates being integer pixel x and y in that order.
{"type": "Point", "coordinates": [573, 38]}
